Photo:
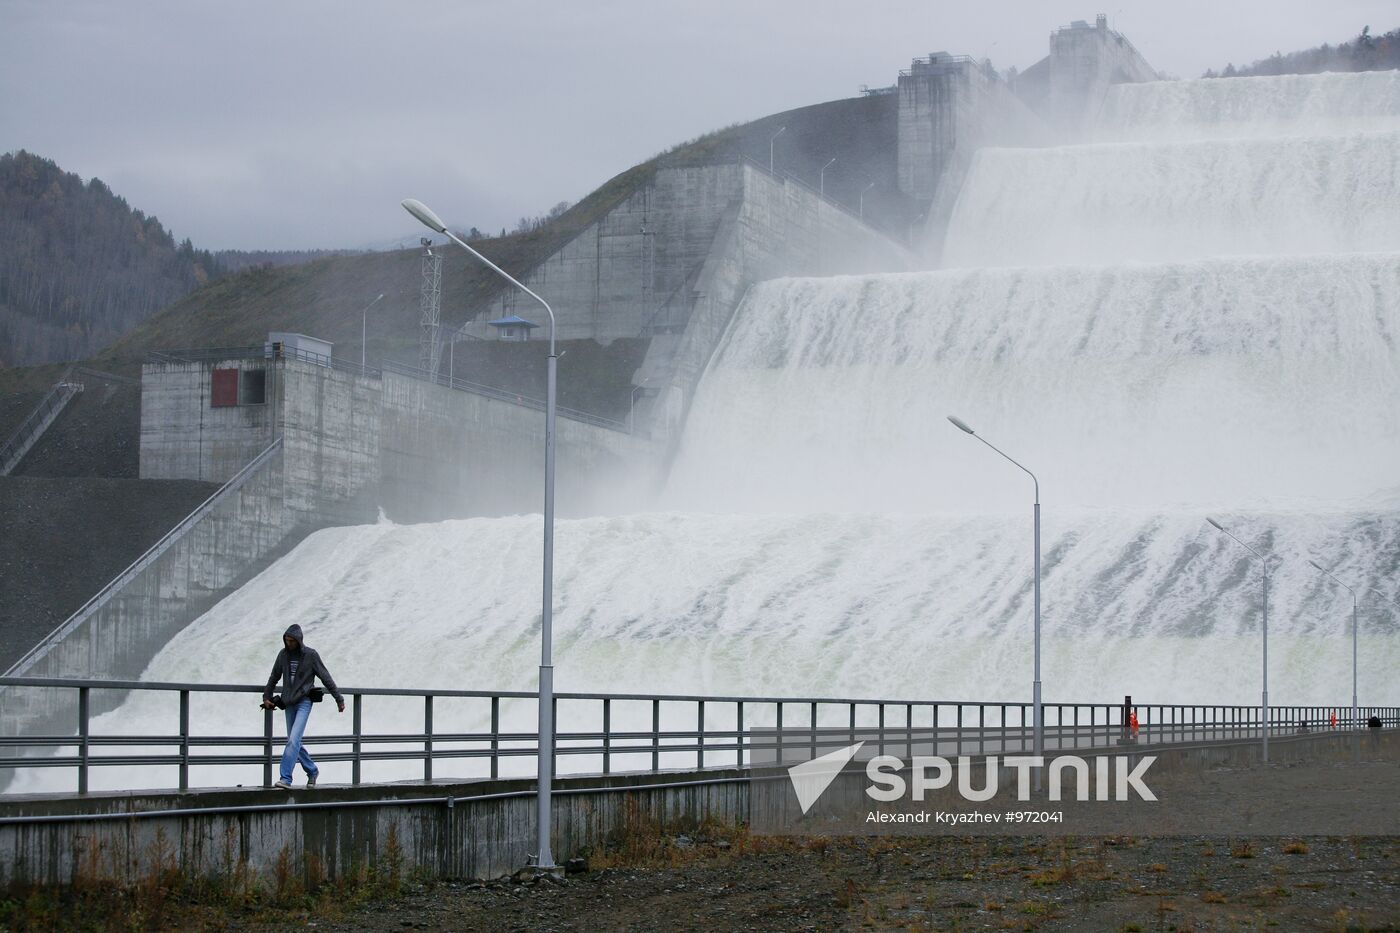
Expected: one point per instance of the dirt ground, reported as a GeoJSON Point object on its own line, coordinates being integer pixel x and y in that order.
{"type": "Point", "coordinates": [728, 879]}
{"type": "Point", "coordinates": [939, 883]}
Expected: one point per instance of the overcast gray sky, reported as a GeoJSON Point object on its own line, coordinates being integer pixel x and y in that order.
{"type": "Point", "coordinates": [292, 124]}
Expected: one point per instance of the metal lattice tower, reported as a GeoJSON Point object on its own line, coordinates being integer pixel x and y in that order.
{"type": "Point", "coordinates": [430, 304]}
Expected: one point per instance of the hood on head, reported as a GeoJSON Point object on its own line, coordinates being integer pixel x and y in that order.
{"type": "Point", "coordinates": [294, 631]}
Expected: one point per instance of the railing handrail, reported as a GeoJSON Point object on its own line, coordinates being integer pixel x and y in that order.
{"type": "Point", "coordinates": [496, 392]}
{"type": "Point", "coordinates": [9, 680]}
{"type": "Point", "coordinates": [996, 728]}
{"type": "Point", "coordinates": [57, 396]}
{"type": "Point", "coordinates": [151, 553]}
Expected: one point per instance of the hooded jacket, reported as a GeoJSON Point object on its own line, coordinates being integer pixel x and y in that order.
{"type": "Point", "coordinates": [309, 667]}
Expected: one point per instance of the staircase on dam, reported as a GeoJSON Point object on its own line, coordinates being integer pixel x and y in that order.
{"type": "Point", "coordinates": [33, 427]}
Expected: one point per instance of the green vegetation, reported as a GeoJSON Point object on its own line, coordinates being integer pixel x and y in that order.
{"type": "Point", "coordinates": [79, 266]}
{"type": "Point", "coordinates": [1364, 53]}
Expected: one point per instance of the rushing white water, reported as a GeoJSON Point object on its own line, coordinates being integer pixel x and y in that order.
{"type": "Point", "coordinates": [1222, 382]}
{"type": "Point", "coordinates": [1121, 202]}
{"type": "Point", "coordinates": [1163, 330]}
{"type": "Point", "coordinates": [1265, 106]}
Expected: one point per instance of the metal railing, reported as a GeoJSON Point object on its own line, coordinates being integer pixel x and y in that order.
{"type": "Point", "coordinates": [32, 428]}
{"type": "Point", "coordinates": [154, 551]}
{"type": "Point", "coordinates": [258, 352]}
{"type": "Point", "coordinates": [505, 395]}
{"type": "Point", "coordinates": [640, 733]}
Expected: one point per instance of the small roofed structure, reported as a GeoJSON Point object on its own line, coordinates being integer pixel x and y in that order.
{"type": "Point", "coordinates": [513, 327]}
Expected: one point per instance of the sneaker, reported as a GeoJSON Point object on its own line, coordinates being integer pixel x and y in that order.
{"type": "Point", "coordinates": [311, 779]}
{"type": "Point", "coordinates": [282, 785]}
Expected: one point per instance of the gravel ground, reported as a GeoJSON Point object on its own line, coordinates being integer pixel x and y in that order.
{"type": "Point", "coordinates": [936, 883]}
{"type": "Point", "coordinates": [733, 881]}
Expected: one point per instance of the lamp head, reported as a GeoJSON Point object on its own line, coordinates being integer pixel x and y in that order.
{"type": "Point", "coordinates": [1218, 526]}
{"type": "Point", "coordinates": [960, 424]}
{"type": "Point", "coordinates": [425, 215]}
{"type": "Point", "coordinates": [1317, 565]}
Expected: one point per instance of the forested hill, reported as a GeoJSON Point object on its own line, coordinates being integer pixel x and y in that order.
{"type": "Point", "coordinates": [78, 266]}
{"type": "Point", "coordinates": [1364, 53]}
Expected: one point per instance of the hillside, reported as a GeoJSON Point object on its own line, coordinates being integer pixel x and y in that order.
{"type": "Point", "coordinates": [325, 297]}
{"type": "Point", "coordinates": [78, 265]}
{"type": "Point", "coordinates": [1364, 53]}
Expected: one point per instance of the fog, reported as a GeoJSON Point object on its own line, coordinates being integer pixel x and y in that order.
{"type": "Point", "coordinates": [275, 126]}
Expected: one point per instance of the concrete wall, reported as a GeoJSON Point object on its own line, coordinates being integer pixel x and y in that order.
{"type": "Point", "coordinates": [1084, 61]}
{"type": "Point", "coordinates": [238, 536]}
{"type": "Point", "coordinates": [471, 839]}
{"type": "Point", "coordinates": [627, 275]}
{"type": "Point", "coordinates": [446, 453]}
{"type": "Point", "coordinates": [182, 437]}
{"type": "Point", "coordinates": [777, 228]}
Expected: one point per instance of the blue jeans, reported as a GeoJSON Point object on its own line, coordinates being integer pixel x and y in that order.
{"type": "Point", "coordinates": [296, 728]}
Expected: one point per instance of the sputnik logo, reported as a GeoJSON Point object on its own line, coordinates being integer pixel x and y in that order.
{"type": "Point", "coordinates": [811, 778]}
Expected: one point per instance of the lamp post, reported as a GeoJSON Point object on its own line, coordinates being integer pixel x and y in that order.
{"type": "Point", "coordinates": [774, 139]}
{"type": "Point", "coordinates": [364, 324]}
{"type": "Point", "coordinates": [1039, 727]}
{"type": "Point", "coordinates": [632, 408]}
{"type": "Point", "coordinates": [1265, 564]}
{"type": "Point", "coordinates": [822, 177]}
{"type": "Point", "coordinates": [545, 751]}
{"type": "Point", "coordinates": [862, 198]}
{"type": "Point", "coordinates": [1329, 573]}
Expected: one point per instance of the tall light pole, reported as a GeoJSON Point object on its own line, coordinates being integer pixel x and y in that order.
{"type": "Point", "coordinates": [1353, 634]}
{"type": "Point", "coordinates": [822, 177]}
{"type": "Point", "coordinates": [862, 198]}
{"type": "Point", "coordinates": [545, 751]}
{"type": "Point", "coordinates": [1039, 727]}
{"type": "Point", "coordinates": [1265, 564]}
{"type": "Point", "coordinates": [364, 324]}
{"type": "Point", "coordinates": [632, 409]}
{"type": "Point", "coordinates": [774, 139]}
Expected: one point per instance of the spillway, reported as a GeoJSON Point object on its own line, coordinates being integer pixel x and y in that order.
{"type": "Point", "coordinates": [1195, 312]}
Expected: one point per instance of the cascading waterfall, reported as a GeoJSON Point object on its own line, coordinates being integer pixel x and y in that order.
{"type": "Point", "coordinates": [1196, 313]}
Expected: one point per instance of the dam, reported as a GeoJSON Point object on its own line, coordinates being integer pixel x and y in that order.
{"type": "Point", "coordinates": [1192, 310]}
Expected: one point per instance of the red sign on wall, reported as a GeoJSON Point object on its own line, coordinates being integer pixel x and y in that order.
{"type": "Point", "coordinates": [224, 392]}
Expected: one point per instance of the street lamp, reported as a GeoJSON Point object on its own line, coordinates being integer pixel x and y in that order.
{"type": "Point", "coordinates": [1265, 564]}
{"type": "Point", "coordinates": [862, 198]}
{"type": "Point", "coordinates": [1353, 634]}
{"type": "Point", "coordinates": [822, 177]}
{"type": "Point", "coordinates": [774, 139]}
{"type": "Point", "coordinates": [1039, 727]}
{"type": "Point", "coordinates": [632, 409]}
{"type": "Point", "coordinates": [545, 751]}
{"type": "Point", "coordinates": [364, 323]}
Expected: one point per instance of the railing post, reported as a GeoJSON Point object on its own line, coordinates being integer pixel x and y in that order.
{"type": "Point", "coordinates": [184, 740]}
{"type": "Point", "coordinates": [852, 711]}
{"type": "Point", "coordinates": [700, 737]}
{"type": "Point", "coordinates": [267, 748]}
{"type": "Point", "coordinates": [495, 737]}
{"type": "Point", "coordinates": [957, 748]}
{"type": "Point", "coordinates": [655, 736]}
{"type": "Point", "coordinates": [909, 730]}
{"type": "Point", "coordinates": [739, 733]}
{"type": "Point", "coordinates": [607, 735]}
{"type": "Point", "coordinates": [880, 746]}
{"type": "Point", "coordinates": [428, 737]}
{"type": "Point", "coordinates": [83, 742]}
{"type": "Point", "coordinates": [778, 735]}
{"type": "Point", "coordinates": [355, 724]}
{"type": "Point", "coordinates": [812, 718]}
{"type": "Point", "coordinates": [554, 752]}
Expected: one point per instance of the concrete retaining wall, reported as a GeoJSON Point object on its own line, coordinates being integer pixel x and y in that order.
{"type": "Point", "coordinates": [482, 838]}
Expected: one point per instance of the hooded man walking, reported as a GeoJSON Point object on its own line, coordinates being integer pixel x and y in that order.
{"type": "Point", "coordinates": [298, 666]}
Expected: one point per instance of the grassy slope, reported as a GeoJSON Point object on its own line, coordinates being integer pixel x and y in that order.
{"type": "Point", "coordinates": [325, 297]}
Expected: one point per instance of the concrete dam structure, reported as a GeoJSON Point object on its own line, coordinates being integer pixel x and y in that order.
{"type": "Point", "coordinates": [823, 529]}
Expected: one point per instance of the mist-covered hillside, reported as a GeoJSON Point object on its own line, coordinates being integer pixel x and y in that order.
{"type": "Point", "coordinates": [79, 266]}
